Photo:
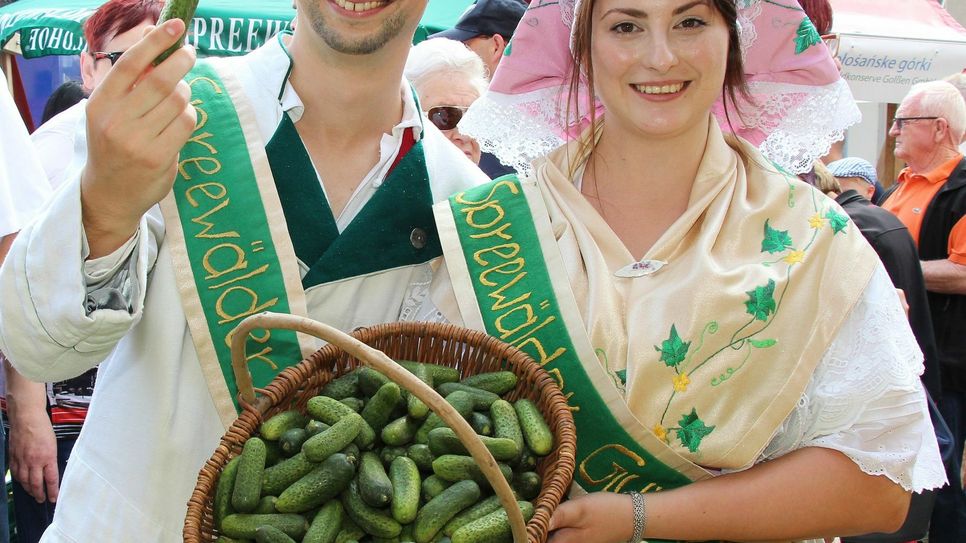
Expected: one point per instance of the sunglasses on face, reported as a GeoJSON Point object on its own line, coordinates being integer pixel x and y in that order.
{"type": "Point", "coordinates": [900, 121]}
{"type": "Point", "coordinates": [445, 117]}
{"type": "Point", "coordinates": [112, 56]}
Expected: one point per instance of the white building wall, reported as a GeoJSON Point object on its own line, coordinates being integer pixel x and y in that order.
{"type": "Point", "coordinates": [864, 140]}
{"type": "Point", "coordinates": [957, 8]}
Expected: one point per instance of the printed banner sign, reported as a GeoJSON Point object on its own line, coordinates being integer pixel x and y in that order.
{"type": "Point", "coordinates": [885, 50]}
{"type": "Point", "coordinates": [44, 31]}
{"type": "Point", "coordinates": [880, 69]}
{"type": "Point", "coordinates": [36, 28]}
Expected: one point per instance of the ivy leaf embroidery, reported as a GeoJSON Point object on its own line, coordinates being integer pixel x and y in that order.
{"type": "Point", "coordinates": [673, 349]}
{"type": "Point", "coordinates": [806, 36]}
{"type": "Point", "coordinates": [761, 301]}
{"type": "Point", "coordinates": [622, 375]}
{"type": "Point", "coordinates": [762, 343]}
{"type": "Point", "coordinates": [692, 430]}
{"type": "Point", "coordinates": [775, 241]}
{"type": "Point", "coordinates": [837, 221]}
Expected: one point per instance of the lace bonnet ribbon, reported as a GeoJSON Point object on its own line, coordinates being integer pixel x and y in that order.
{"type": "Point", "coordinates": [799, 103]}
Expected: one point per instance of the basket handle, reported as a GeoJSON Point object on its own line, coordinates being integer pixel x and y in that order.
{"type": "Point", "coordinates": [385, 365]}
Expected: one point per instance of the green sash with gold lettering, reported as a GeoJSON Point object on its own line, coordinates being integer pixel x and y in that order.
{"type": "Point", "coordinates": [228, 240]}
{"type": "Point", "coordinates": [504, 245]}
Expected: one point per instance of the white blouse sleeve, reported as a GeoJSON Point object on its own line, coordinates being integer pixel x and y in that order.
{"type": "Point", "coordinates": [865, 398]}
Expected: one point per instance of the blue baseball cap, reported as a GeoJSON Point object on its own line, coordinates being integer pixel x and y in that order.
{"type": "Point", "coordinates": [486, 18]}
{"type": "Point", "coordinates": [854, 167]}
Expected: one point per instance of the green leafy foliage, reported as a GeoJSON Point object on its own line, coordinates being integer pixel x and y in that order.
{"type": "Point", "coordinates": [837, 221]}
{"type": "Point", "coordinates": [776, 241]}
{"type": "Point", "coordinates": [673, 349]}
{"type": "Point", "coordinates": [761, 301]}
{"type": "Point", "coordinates": [806, 36]}
{"type": "Point", "coordinates": [692, 430]}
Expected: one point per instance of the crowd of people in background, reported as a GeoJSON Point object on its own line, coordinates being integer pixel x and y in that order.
{"type": "Point", "coordinates": [358, 123]}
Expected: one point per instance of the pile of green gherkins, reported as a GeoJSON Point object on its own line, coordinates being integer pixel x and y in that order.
{"type": "Point", "coordinates": [370, 462]}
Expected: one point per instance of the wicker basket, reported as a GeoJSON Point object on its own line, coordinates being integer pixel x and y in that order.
{"type": "Point", "coordinates": [469, 351]}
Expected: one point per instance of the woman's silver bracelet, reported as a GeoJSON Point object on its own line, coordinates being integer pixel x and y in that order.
{"type": "Point", "coordinates": [640, 517]}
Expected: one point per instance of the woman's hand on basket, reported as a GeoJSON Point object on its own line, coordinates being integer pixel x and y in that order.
{"type": "Point", "coordinates": [601, 517]}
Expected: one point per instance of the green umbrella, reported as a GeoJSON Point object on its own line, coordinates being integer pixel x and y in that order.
{"type": "Point", "coordinates": [36, 28]}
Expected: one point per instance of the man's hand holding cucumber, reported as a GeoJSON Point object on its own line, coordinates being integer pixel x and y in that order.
{"type": "Point", "coordinates": [137, 121]}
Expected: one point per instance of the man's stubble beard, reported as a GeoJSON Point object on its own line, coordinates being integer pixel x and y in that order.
{"type": "Point", "coordinates": [368, 45]}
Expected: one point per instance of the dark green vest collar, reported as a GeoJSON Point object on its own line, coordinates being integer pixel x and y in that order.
{"type": "Point", "coordinates": [394, 229]}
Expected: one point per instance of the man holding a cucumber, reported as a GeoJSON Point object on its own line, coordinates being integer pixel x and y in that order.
{"type": "Point", "coordinates": [303, 179]}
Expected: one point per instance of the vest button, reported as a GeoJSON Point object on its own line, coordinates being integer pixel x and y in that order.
{"type": "Point", "coordinates": [418, 238]}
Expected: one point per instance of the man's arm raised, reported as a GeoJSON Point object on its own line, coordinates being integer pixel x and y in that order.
{"type": "Point", "coordinates": [137, 121]}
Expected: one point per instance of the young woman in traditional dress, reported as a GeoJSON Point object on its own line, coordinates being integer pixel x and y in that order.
{"type": "Point", "coordinates": [724, 334]}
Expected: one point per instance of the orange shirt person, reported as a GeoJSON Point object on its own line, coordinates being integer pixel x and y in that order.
{"type": "Point", "coordinates": [930, 199]}
{"type": "Point", "coordinates": [928, 127]}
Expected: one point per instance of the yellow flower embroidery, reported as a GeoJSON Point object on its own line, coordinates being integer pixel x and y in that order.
{"type": "Point", "coordinates": [660, 432]}
{"type": "Point", "coordinates": [681, 382]}
{"type": "Point", "coordinates": [816, 221]}
{"type": "Point", "coordinates": [795, 257]}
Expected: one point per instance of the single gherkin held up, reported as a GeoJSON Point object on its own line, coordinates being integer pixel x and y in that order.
{"type": "Point", "coordinates": [176, 9]}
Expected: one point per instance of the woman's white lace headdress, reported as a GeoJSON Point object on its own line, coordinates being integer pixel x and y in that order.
{"type": "Point", "coordinates": [799, 104]}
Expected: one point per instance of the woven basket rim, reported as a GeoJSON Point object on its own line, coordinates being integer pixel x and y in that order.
{"type": "Point", "coordinates": [289, 383]}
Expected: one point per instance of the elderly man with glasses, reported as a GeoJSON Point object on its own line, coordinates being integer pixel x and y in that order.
{"type": "Point", "coordinates": [930, 199]}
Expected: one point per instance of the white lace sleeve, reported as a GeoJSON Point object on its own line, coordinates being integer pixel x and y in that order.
{"type": "Point", "coordinates": [865, 398]}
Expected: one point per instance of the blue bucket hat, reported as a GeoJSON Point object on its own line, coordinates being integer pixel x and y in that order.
{"type": "Point", "coordinates": [854, 167]}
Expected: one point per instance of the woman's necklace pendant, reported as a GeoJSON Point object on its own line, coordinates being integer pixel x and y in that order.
{"type": "Point", "coordinates": [641, 268]}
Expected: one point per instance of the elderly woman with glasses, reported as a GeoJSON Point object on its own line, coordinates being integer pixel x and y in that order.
{"type": "Point", "coordinates": [448, 78]}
